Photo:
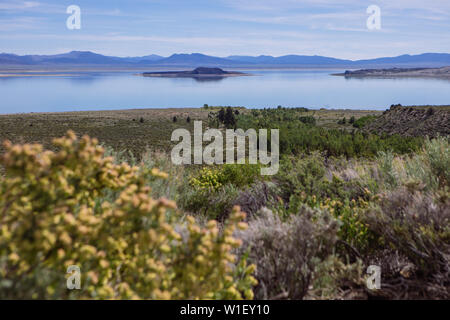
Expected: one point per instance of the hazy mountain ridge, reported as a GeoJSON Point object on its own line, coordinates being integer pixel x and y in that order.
{"type": "Point", "coordinates": [290, 59]}
{"type": "Point", "coordinates": [198, 59]}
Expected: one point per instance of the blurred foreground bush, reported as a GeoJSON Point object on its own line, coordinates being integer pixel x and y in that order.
{"type": "Point", "coordinates": [76, 207]}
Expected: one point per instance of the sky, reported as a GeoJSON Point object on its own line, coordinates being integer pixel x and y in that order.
{"type": "Point", "coordinates": [334, 28]}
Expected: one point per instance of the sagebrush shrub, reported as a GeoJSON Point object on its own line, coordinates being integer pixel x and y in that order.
{"type": "Point", "coordinates": [255, 197]}
{"type": "Point", "coordinates": [416, 225]}
{"type": "Point", "coordinates": [76, 207]}
{"type": "Point", "coordinates": [299, 175]}
{"type": "Point", "coordinates": [437, 153]}
{"type": "Point", "coordinates": [288, 253]}
{"type": "Point", "coordinates": [432, 164]}
{"type": "Point", "coordinates": [211, 204]}
{"type": "Point", "coordinates": [430, 167]}
{"type": "Point", "coordinates": [387, 170]}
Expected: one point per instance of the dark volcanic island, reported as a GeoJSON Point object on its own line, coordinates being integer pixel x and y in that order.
{"type": "Point", "coordinates": [201, 72]}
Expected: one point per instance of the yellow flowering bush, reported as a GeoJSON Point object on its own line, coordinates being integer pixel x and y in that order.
{"type": "Point", "coordinates": [76, 207]}
{"type": "Point", "coordinates": [207, 179]}
{"type": "Point", "coordinates": [239, 175]}
{"type": "Point", "coordinates": [353, 229]}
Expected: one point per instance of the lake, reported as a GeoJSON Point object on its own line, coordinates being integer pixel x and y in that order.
{"type": "Point", "coordinates": [289, 88]}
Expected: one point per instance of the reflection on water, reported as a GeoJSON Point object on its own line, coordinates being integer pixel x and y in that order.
{"type": "Point", "coordinates": [209, 79]}
{"type": "Point", "coordinates": [184, 80]}
{"type": "Point", "coordinates": [83, 80]}
{"type": "Point", "coordinates": [289, 88]}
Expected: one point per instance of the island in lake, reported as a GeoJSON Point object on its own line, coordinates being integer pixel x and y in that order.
{"type": "Point", "coordinates": [200, 72]}
{"type": "Point", "coordinates": [443, 72]}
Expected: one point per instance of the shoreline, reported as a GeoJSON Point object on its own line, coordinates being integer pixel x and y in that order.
{"type": "Point", "coordinates": [15, 75]}
{"type": "Point", "coordinates": [444, 77]}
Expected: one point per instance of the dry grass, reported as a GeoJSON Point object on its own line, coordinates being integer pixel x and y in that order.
{"type": "Point", "coordinates": [120, 129]}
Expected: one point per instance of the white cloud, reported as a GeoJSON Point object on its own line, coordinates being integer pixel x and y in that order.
{"type": "Point", "coordinates": [21, 23]}
{"type": "Point", "coordinates": [19, 5]}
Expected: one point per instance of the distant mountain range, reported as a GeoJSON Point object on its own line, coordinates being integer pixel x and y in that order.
{"type": "Point", "coordinates": [87, 58]}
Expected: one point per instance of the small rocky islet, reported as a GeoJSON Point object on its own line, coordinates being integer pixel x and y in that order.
{"type": "Point", "coordinates": [196, 73]}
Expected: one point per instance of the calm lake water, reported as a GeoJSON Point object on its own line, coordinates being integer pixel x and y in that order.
{"type": "Point", "coordinates": [293, 88]}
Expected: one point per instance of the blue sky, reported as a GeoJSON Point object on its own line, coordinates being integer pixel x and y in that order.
{"type": "Point", "coordinates": [334, 28]}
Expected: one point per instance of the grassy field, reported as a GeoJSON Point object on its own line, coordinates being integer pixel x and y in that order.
{"type": "Point", "coordinates": [134, 130]}
{"type": "Point", "coordinates": [124, 129]}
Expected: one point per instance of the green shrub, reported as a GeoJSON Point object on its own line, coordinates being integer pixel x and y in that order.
{"type": "Point", "coordinates": [297, 137]}
{"type": "Point", "coordinates": [240, 175]}
{"type": "Point", "coordinates": [428, 168]}
{"type": "Point", "coordinates": [388, 173]}
{"type": "Point", "coordinates": [363, 121]}
{"type": "Point", "coordinates": [300, 175]}
{"type": "Point", "coordinates": [308, 120]}
{"type": "Point", "coordinates": [208, 203]}
{"type": "Point", "coordinates": [436, 153]}
{"type": "Point", "coordinates": [342, 121]}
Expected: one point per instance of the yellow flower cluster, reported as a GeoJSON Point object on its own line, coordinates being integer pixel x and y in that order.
{"type": "Point", "coordinates": [76, 207]}
{"type": "Point", "coordinates": [353, 228]}
{"type": "Point", "coordinates": [207, 180]}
